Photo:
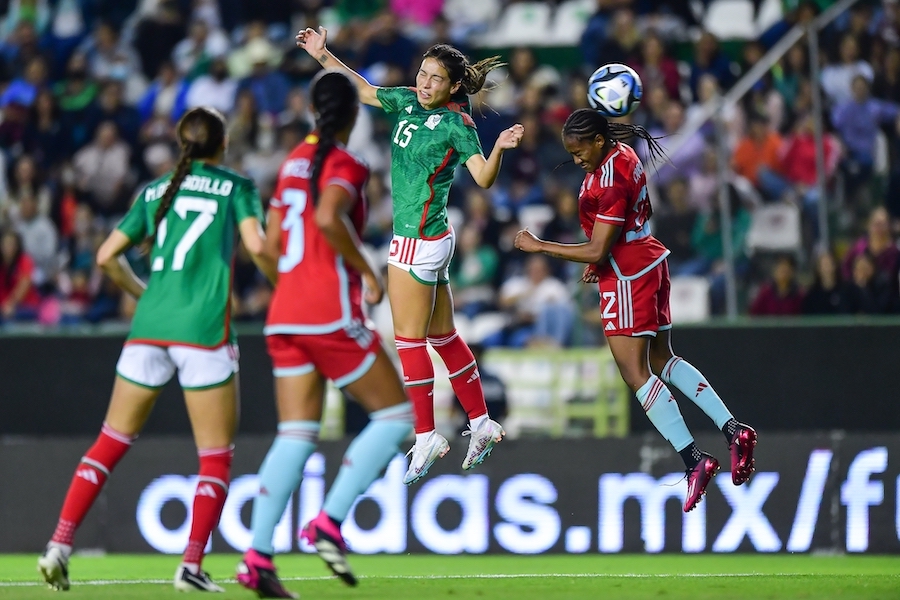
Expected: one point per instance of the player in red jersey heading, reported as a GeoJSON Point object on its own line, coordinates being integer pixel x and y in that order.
{"type": "Point", "coordinates": [316, 330]}
{"type": "Point", "coordinates": [630, 266]}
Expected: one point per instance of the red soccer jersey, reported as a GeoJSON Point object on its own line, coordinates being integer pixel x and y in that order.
{"type": "Point", "coordinates": [316, 292]}
{"type": "Point", "coordinates": [616, 193]}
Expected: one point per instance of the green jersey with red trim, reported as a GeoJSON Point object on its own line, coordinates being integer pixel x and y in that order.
{"type": "Point", "coordinates": [427, 146]}
{"type": "Point", "coordinates": [188, 296]}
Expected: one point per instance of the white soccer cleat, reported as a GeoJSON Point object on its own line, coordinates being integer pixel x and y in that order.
{"type": "Point", "coordinates": [483, 439]}
{"type": "Point", "coordinates": [424, 455]}
{"type": "Point", "coordinates": [54, 566]}
{"type": "Point", "coordinates": [187, 581]}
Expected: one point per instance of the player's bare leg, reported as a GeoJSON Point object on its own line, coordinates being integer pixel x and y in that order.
{"type": "Point", "coordinates": [412, 304]}
{"type": "Point", "coordinates": [456, 354]}
{"type": "Point", "coordinates": [381, 393]}
{"type": "Point", "coordinates": [129, 407]}
{"type": "Point", "coordinates": [213, 414]}
{"type": "Point", "coordinates": [631, 356]}
{"type": "Point", "coordinates": [676, 371]}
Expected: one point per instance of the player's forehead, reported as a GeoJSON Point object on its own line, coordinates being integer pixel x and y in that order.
{"type": "Point", "coordinates": [432, 67]}
{"type": "Point", "coordinates": [576, 145]}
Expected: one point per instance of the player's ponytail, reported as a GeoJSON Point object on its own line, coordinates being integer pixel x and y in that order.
{"type": "Point", "coordinates": [201, 134]}
{"type": "Point", "coordinates": [335, 101]}
{"type": "Point", "coordinates": [587, 124]}
{"type": "Point", "coordinates": [471, 77]}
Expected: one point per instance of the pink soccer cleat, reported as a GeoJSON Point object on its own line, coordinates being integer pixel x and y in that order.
{"type": "Point", "coordinates": [698, 478]}
{"type": "Point", "coordinates": [742, 445]}
{"type": "Point", "coordinates": [325, 535]}
{"type": "Point", "coordinates": [257, 573]}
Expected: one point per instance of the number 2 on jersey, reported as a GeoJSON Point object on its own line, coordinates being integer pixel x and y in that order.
{"type": "Point", "coordinates": [206, 210]}
{"type": "Point", "coordinates": [295, 200]}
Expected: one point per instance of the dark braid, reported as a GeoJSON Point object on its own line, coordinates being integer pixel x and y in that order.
{"type": "Point", "coordinates": [587, 124]}
{"type": "Point", "coordinates": [201, 134]}
{"type": "Point", "coordinates": [335, 101]}
{"type": "Point", "coordinates": [471, 77]}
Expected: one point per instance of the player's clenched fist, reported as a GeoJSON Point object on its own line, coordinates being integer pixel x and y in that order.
{"type": "Point", "coordinates": [527, 242]}
{"type": "Point", "coordinates": [590, 274]}
{"type": "Point", "coordinates": [510, 138]}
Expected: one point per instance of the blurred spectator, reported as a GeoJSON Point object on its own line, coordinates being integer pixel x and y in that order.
{"type": "Point", "coordinates": [837, 78]}
{"type": "Point", "coordinates": [39, 239]}
{"type": "Point", "coordinates": [243, 126]}
{"type": "Point", "coordinates": [34, 12]}
{"type": "Point", "coordinates": [683, 162]}
{"type": "Point", "coordinates": [673, 224]}
{"type": "Point", "coordinates": [45, 138]}
{"type": "Point", "coordinates": [419, 13]}
{"type": "Point", "coordinates": [655, 67]}
{"type": "Point", "coordinates": [269, 87]}
{"type": "Point", "coordinates": [473, 272]}
{"type": "Point", "coordinates": [565, 226]}
{"type": "Point", "coordinates": [623, 43]}
{"type": "Point", "coordinates": [157, 34]}
{"type": "Point", "coordinates": [66, 202]}
{"type": "Point", "coordinates": [869, 292]}
{"type": "Point", "coordinates": [543, 313]}
{"type": "Point", "coordinates": [758, 155]}
{"type": "Point", "coordinates": [76, 296]}
{"type": "Point", "coordinates": [256, 47]}
{"type": "Point", "coordinates": [216, 88]}
{"type": "Point", "coordinates": [887, 81]}
{"type": "Point", "coordinates": [25, 181]}
{"type": "Point", "coordinates": [386, 44]}
{"type": "Point", "coordinates": [879, 244]}
{"type": "Point", "coordinates": [703, 184]}
{"type": "Point", "coordinates": [828, 294]}
{"type": "Point", "coordinates": [708, 58]}
{"type": "Point", "coordinates": [108, 57]}
{"type": "Point", "coordinates": [101, 169]}
{"type": "Point", "coordinates": [262, 164]}
{"type": "Point", "coordinates": [23, 90]}
{"type": "Point", "coordinates": [166, 97]}
{"type": "Point", "coordinates": [595, 32]}
{"type": "Point", "coordinates": [110, 106]}
{"type": "Point", "coordinates": [798, 163]}
{"type": "Point", "coordinates": [790, 71]}
{"type": "Point", "coordinates": [19, 299]}
{"type": "Point", "coordinates": [782, 294]}
{"type": "Point", "coordinates": [21, 47]}
{"type": "Point", "coordinates": [479, 214]}
{"type": "Point", "coordinates": [380, 222]}
{"type": "Point", "coordinates": [193, 54]}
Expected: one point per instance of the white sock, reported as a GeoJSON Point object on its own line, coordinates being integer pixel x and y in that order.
{"type": "Point", "coordinates": [194, 568]}
{"type": "Point", "coordinates": [64, 548]}
{"type": "Point", "coordinates": [477, 421]}
{"type": "Point", "coordinates": [422, 438]}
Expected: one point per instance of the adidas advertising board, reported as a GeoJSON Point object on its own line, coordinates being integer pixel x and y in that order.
{"type": "Point", "coordinates": [828, 492]}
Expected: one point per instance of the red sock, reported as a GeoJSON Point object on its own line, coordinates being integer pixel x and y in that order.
{"type": "Point", "coordinates": [212, 489]}
{"type": "Point", "coordinates": [90, 475]}
{"type": "Point", "coordinates": [418, 376]}
{"type": "Point", "coordinates": [464, 377]}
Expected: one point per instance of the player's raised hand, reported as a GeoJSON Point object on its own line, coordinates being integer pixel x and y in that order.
{"type": "Point", "coordinates": [374, 288]}
{"type": "Point", "coordinates": [510, 138]}
{"type": "Point", "coordinates": [590, 274]}
{"type": "Point", "coordinates": [312, 41]}
{"type": "Point", "coordinates": [527, 241]}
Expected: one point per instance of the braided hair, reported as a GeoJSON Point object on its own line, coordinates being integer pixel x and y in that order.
{"type": "Point", "coordinates": [201, 134]}
{"type": "Point", "coordinates": [470, 76]}
{"type": "Point", "coordinates": [586, 124]}
{"type": "Point", "coordinates": [335, 102]}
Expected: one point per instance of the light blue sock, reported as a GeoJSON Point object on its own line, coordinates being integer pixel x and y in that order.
{"type": "Point", "coordinates": [279, 476]}
{"type": "Point", "coordinates": [369, 453]}
{"type": "Point", "coordinates": [684, 376]}
{"type": "Point", "coordinates": [662, 410]}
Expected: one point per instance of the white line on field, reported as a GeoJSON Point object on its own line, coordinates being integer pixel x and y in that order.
{"type": "Point", "coordinates": [438, 577]}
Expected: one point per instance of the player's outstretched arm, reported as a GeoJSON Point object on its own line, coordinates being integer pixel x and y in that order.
{"type": "Point", "coordinates": [116, 267]}
{"type": "Point", "coordinates": [592, 251]}
{"type": "Point", "coordinates": [255, 242]}
{"type": "Point", "coordinates": [331, 218]}
{"type": "Point", "coordinates": [314, 43]}
{"type": "Point", "coordinates": [485, 170]}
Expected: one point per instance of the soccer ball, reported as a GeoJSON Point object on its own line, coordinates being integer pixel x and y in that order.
{"type": "Point", "coordinates": [615, 90]}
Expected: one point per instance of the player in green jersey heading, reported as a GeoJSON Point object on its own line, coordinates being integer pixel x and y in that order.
{"type": "Point", "coordinates": [433, 135]}
{"type": "Point", "coordinates": [186, 221]}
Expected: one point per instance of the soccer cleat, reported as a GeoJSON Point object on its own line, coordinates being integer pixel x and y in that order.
{"type": "Point", "coordinates": [325, 535]}
{"type": "Point", "coordinates": [742, 445]}
{"type": "Point", "coordinates": [698, 478]}
{"type": "Point", "coordinates": [424, 456]}
{"type": "Point", "coordinates": [257, 574]}
{"type": "Point", "coordinates": [482, 442]}
{"type": "Point", "coordinates": [186, 581]}
{"type": "Point", "coordinates": [54, 566]}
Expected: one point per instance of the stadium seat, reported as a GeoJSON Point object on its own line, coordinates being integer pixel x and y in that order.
{"type": "Point", "coordinates": [770, 12]}
{"type": "Point", "coordinates": [689, 299]}
{"type": "Point", "coordinates": [882, 154]}
{"type": "Point", "coordinates": [523, 23]}
{"type": "Point", "coordinates": [569, 21]}
{"type": "Point", "coordinates": [730, 19]}
{"type": "Point", "coordinates": [467, 12]}
{"type": "Point", "coordinates": [486, 324]}
{"type": "Point", "coordinates": [775, 228]}
{"type": "Point", "coordinates": [535, 217]}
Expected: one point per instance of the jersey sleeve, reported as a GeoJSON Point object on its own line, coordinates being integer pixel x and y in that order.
{"type": "Point", "coordinates": [464, 138]}
{"type": "Point", "coordinates": [134, 224]}
{"type": "Point", "coordinates": [347, 172]}
{"type": "Point", "coordinates": [611, 200]}
{"type": "Point", "coordinates": [394, 98]}
{"type": "Point", "coordinates": [247, 203]}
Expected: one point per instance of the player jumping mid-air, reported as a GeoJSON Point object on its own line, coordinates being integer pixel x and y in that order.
{"type": "Point", "coordinates": [630, 266]}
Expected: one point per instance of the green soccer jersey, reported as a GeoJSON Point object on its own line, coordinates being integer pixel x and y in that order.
{"type": "Point", "coordinates": [187, 300]}
{"type": "Point", "coordinates": [427, 146]}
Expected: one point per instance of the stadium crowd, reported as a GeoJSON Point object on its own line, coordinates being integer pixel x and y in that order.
{"type": "Point", "coordinates": [90, 91]}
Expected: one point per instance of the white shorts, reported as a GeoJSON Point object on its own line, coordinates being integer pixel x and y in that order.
{"type": "Point", "coordinates": [428, 261]}
{"type": "Point", "coordinates": [198, 368]}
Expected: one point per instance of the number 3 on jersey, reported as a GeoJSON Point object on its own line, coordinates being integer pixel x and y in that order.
{"type": "Point", "coordinates": [405, 132]}
{"type": "Point", "coordinates": [206, 210]}
{"type": "Point", "coordinates": [292, 225]}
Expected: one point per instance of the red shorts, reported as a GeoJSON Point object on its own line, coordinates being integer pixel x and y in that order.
{"type": "Point", "coordinates": [342, 356]}
{"type": "Point", "coordinates": [637, 307]}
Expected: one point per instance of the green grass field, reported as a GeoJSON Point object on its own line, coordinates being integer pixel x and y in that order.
{"type": "Point", "coordinates": [666, 577]}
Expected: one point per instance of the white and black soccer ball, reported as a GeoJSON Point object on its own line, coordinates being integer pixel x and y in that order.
{"type": "Point", "coordinates": [615, 90]}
